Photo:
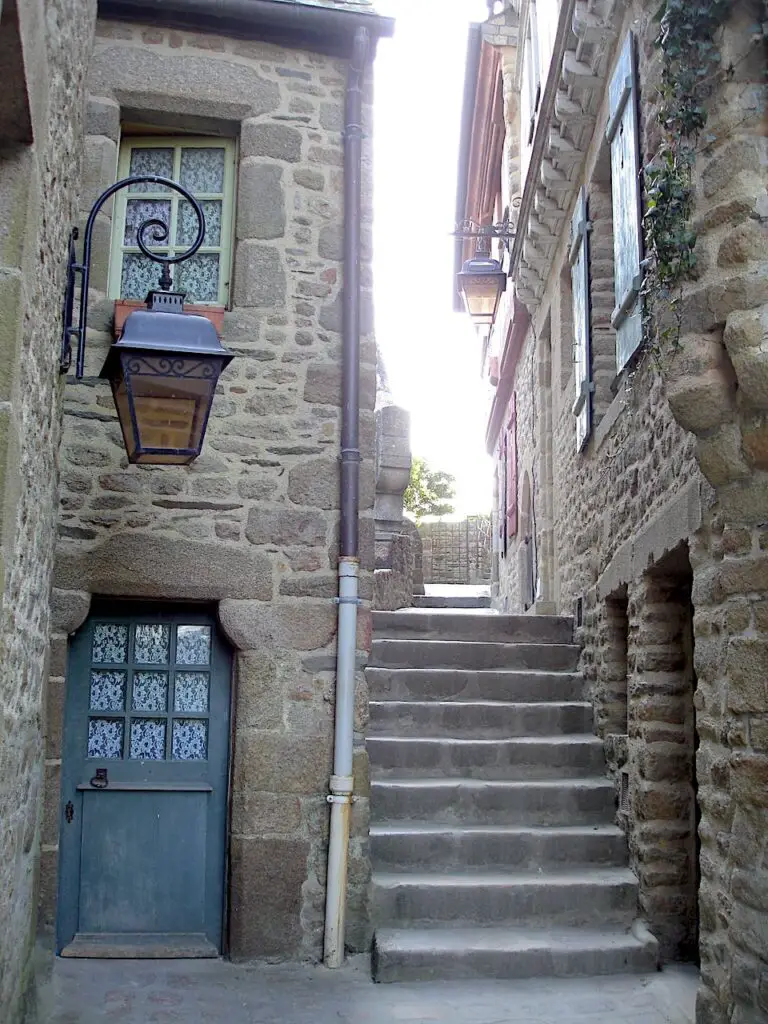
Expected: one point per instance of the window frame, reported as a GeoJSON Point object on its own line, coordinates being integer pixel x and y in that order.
{"type": "Point", "coordinates": [227, 197]}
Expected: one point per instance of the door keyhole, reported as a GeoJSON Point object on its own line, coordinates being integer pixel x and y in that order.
{"type": "Point", "coordinates": [69, 812]}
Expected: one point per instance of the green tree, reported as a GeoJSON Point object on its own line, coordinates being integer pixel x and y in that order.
{"type": "Point", "coordinates": [429, 491]}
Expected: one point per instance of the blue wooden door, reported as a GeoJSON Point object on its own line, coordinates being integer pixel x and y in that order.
{"type": "Point", "coordinates": [144, 785]}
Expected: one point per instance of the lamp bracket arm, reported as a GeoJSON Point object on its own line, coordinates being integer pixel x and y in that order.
{"type": "Point", "coordinates": [159, 232]}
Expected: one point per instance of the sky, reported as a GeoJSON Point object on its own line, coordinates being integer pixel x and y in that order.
{"type": "Point", "coordinates": [432, 355]}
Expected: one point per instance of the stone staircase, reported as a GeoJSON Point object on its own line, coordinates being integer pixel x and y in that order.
{"type": "Point", "coordinates": [492, 837]}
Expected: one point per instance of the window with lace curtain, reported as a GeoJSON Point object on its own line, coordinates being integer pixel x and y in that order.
{"type": "Point", "coordinates": [206, 168]}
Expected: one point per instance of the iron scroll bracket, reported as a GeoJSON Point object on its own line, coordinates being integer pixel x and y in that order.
{"type": "Point", "coordinates": [159, 230]}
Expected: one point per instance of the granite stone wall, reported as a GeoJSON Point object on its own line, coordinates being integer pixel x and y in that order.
{"type": "Point", "coordinates": [44, 49]}
{"type": "Point", "coordinates": [457, 552]}
{"type": "Point", "coordinates": [660, 543]}
{"type": "Point", "coordinates": [252, 526]}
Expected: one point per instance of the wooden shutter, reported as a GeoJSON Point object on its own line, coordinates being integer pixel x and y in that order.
{"type": "Point", "coordinates": [512, 469]}
{"type": "Point", "coordinates": [622, 134]}
{"type": "Point", "coordinates": [579, 259]}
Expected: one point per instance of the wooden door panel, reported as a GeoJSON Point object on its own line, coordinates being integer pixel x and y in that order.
{"type": "Point", "coordinates": [143, 862]}
{"type": "Point", "coordinates": [144, 784]}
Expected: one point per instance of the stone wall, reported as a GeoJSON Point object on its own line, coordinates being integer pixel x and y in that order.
{"type": "Point", "coordinates": [44, 49]}
{"type": "Point", "coordinates": [252, 525]}
{"type": "Point", "coordinates": [457, 552]}
{"type": "Point", "coordinates": [661, 550]}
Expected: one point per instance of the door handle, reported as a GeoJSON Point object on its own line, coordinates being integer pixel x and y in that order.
{"type": "Point", "coordinates": [69, 812]}
{"type": "Point", "coordinates": [100, 780]}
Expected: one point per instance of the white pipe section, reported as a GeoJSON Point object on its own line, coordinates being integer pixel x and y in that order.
{"type": "Point", "coordinates": [341, 783]}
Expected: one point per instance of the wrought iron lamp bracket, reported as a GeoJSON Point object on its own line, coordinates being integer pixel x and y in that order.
{"type": "Point", "coordinates": [159, 235]}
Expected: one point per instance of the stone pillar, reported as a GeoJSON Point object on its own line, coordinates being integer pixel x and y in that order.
{"type": "Point", "coordinates": [393, 584]}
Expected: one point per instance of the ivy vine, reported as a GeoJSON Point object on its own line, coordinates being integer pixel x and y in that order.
{"type": "Point", "coordinates": [687, 39]}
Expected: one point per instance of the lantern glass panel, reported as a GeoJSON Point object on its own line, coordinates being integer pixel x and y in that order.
{"type": "Point", "coordinates": [163, 405]}
{"type": "Point", "coordinates": [481, 296]}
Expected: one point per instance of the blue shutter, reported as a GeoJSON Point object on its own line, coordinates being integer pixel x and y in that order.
{"type": "Point", "coordinates": [622, 134]}
{"type": "Point", "coordinates": [578, 257]}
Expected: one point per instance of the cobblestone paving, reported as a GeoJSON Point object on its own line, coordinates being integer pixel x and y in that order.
{"type": "Point", "coordinates": [215, 992]}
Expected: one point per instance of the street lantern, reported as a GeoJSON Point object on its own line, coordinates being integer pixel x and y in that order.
{"type": "Point", "coordinates": [163, 371]}
{"type": "Point", "coordinates": [481, 285]}
{"type": "Point", "coordinates": [165, 366]}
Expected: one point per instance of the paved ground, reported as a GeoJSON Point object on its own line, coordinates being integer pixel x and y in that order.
{"type": "Point", "coordinates": [215, 992]}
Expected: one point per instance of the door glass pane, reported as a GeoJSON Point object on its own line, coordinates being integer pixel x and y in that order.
{"type": "Point", "coordinates": [148, 739]}
{"type": "Point", "coordinates": [110, 644]}
{"type": "Point", "coordinates": [105, 737]}
{"type": "Point", "coordinates": [199, 277]}
{"type": "Point", "coordinates": [186, 225]}
{"type": "Point", "coordinates": [140, 275]}
{"type": "Point", "coordinates": [150, 691]}
{"type": "Point", "coordinates": [193, 645]}
{"type": "Point", "coordinates": [151, 161]}
{"type": "Point", "coordinates": [191, 692]}
{"type": "Point", "coordinates": [190, 739]}
{"type": "Point", "coordinates": [139, 210]}
{"type": "Point", "coordinates": [151, 644]}
{"type": "Point", "coordinates": [107, 691]}
{"type": "Point", "coordinates": [202, 170]}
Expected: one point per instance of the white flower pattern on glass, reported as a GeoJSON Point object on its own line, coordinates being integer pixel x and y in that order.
{"type": "Point", "coordinates": [191, 693]}
{"type": "Point", "coordinates": [139, 210]}
{"type": "Point", "coordinates": [151, 160]}
{"type": "Point", "coordinates": [147, 739]}
{"type": "Point", "coordinates": [140, 275]}
{"type": "Point", "coordinates": [193, 645]}
{"type": "Point", "coordinates": [186, 224]}
{"type": "Point", "coordinates": [150, 691]}
{"type": "Point", "coordinates": [110, 644]}
{"type": "Point", "coordinates": [107, 691]}
{"type": "Point", "coordinates": [202, 169]}
{"type": "Point", "coordinates": [151, 644]}
{"type": "Point", "coordinates": [105, 737]}
{"type": "Point", "coordinates": [190, 739]}
{"type": "Point", "coordinates": [199, 277]}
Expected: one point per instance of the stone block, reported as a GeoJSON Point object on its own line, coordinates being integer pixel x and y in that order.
{"type": "Point", "coordinates": [99, 171]}
{"type": "Point", "coordinates": [746, 338]}
{"type": "Point", "coordinates": [260, 201]}
{"type": "Point", "coordinates": [306, 178]}
{"type": "Point", "coordinates": [260, 814]}
{"type": "Point", "coordinates": [304, 625]}
{"type": "Point", "coordinates": [147, 78]}
{"type": "Point", "coordinates": [140, 565]}
{"type": "Point", "coordinates": [745, 154]}
{"type": "Point", "coordinates": [259, 276]}
{"type": "Point", "coordinates": [749, 779]}
{"type": "Point", "coordinates": [286, 527]}
{"type": "Point", "coordinates": [720, 455]}
{"type": "Point", "coordinates": [745, 668]}
{"type": "Point", "coordinates": [267, 876]}
{"type": "Point", "coordinates": [315, 483]}
{"type": "Point", "coordinates": [259, 695]}
{"type": "Point", "coordinates": [331, 315]}
{"type": "Point", "coordinates": [69, 609]}
{"type": "Point", "coordinates": [102, 117]}
{"type": "Point", "coordinates": [323, 386]}
{"type": "Point", "coordinates": [312, 584]}
{"type": "Point", "coordinates": [278, 762]}
{"type": "Point", "coordinates": [277, 141]}
{"type": "Point", "coordinates": [745, 242]}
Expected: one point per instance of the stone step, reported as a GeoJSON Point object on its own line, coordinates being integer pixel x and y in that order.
{"type": "Point", "coordinates": [524, 757]}
{"type": "Point", "coordinates": [466, 654]}
{"type": "Point", "coordinates": [474, 801]}
{"type": "Point", "coordinates": [593, 896]}
{"type": "Point", "coordinates": [423, 624]}
{"type": "Point", "coordinates": [452, 601]}
{"type": "Point", "coordinates": [482, 718]}
{"type": "Point", "coordinates": [408, 845]}
{"type": "Point", "coordinates": [432, 954]}
{"type": "Point", "coordinates": [425, 684]}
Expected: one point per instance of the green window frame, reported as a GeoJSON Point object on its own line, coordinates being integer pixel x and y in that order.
{"type": "Point", "coordinates": [206, 276]}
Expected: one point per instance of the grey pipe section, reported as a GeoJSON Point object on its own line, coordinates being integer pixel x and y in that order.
{"type": "Point", "coordinates": [350, 347]}
{"type": "Point", "coordinates": [320, 28]}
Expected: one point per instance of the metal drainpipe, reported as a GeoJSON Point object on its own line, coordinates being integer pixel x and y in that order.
{"type": "Point", "coordinates": [341, 782]}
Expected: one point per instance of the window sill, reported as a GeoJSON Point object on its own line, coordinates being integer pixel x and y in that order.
{"type": "Point", "coordinates": [124, 307]}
